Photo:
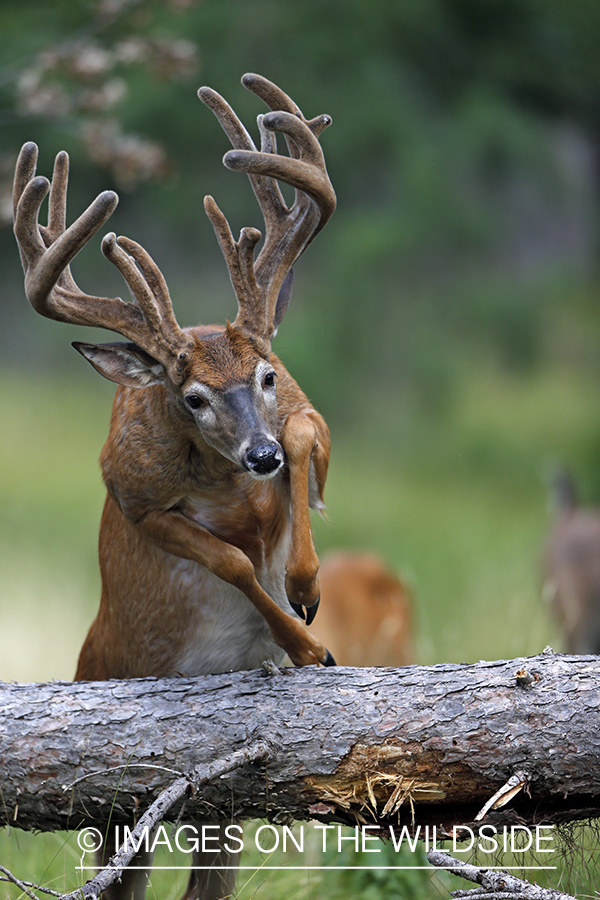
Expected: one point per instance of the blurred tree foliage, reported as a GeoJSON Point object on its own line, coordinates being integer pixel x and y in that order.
{"type": "Point", "coordinates": [464, 153]}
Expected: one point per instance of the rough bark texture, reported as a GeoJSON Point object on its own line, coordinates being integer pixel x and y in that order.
{"type": "Point", "coordinates": [430, 745]}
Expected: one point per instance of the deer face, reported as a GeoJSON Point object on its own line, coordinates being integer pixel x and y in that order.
{"type": "Point", "coordinates": [232, 395]}
{"type": "Point", "coordinates": [229, 391]}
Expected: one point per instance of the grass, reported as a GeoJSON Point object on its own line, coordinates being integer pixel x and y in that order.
{"type": "Point", "coordinates": [464, 511]}
{"type": "Point", "coordinates": [56, 860]}
{"type": "Point", "coordinates": [51, 498]}
{"type": "Point", "coordinates": [454, 500]}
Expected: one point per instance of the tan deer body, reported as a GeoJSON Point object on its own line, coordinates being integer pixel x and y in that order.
{"type": "Point", "coordinates": [214, 453]}
{"type": "Point", "coordinates": [152, 536]}
{"type": "Point", "coordinates": [571, 568]}
{"type": "Point", "coordinates": [365, 618]}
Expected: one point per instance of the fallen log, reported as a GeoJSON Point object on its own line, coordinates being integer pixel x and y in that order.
{"type": "Point", "coordinates": [495, 742]}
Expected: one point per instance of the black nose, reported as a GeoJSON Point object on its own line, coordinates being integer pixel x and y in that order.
{"type": "Point", "coordinates": [264, 458]}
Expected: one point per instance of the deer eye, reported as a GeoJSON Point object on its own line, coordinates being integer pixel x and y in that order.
{"type": "Point", "coordinates": [269, 379]}
{"type": "Point", "coordinates": [194, 401]}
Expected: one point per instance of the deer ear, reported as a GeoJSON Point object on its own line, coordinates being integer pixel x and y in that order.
{"type": "Point", "coordinates": [285, 292]}
{"type": "Point", "coordinates": [123, 363]}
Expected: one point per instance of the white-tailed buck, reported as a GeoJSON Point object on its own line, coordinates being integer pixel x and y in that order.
{"type": "Point", "coordinates": [365, 616]}
{"type": "Point", "coordinates": [571, 567]}
{"type": "Point", "coordinates": [214, 454]}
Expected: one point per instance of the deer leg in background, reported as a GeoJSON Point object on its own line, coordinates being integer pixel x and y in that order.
{"type": "Point", "coordinates": [134, 879]}
{"type": "Point", "coordinates": [214, 871]}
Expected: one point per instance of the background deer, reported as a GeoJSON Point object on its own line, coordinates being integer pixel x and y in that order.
{"type": "Point", "coordinates": [365, 617]}
{"type": "Point", "coordinates": [214, 453]}
{"type": "Point", "coordinates": [571, 567]}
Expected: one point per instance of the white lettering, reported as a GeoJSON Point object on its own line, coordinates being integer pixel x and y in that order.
{"type": "Point", "coordinates": [405, 835]}
{"type": "Point", "coordinates": [348, 837]}
{"type": "Point", "coordinates": [129, 841]}
{"type": "Point", "coordinates": [190, 844]}
{"type": "Point", "coordinates": [324, 829]}
{"type": "Point", "coordinates": [209, 837]}
{"type": "Point", "coordinates": [514, 830]}
{"type": "Point", "coordinates": [487, 833]}
{"type": "Point", "coordinates": [161, 838]}
{"type": "Point", "coordinates": [542, 837]}
{"type": "Point", "coordinates": [434, 844]}
{"type": "Point", "coordinates": [287, 832]}
{"type": "Point", "coordinates": [272, 829]}
{"type": "Point", "coordinates": [455, 838]}
{"type": "Point", "coordinates": [369, 837]}
{"type": "Point", "coordinates": [232, 837]}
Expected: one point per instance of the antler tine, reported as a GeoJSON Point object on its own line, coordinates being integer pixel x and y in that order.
{"type": "Point", "coordinates": [157, 298]}
{"type": "Point", "coordinates": [271, 198]}
{"type": "Point", "coordinates": [155, 329]}
{"type": "Point", "coordinates": [276, 99]}
{"type": "Point", "coordinates": [228, 120]}
{"type": "Point", "coordinates": [24, 171]}
{"type": "Point", "coordinates": [307, 174]}
{"type": "Point", "coordinates": [240, 263]}
{"type": "Point", "coordinates": [302, 137]}
{"type": "Point", "coordinates": [273, 96]}
{"type": "Point", "coordinates": [57, 203]}
{"type": "Point", "coordinates": [45, 265]}
{"type": "Point", "coordinates": [288, 230]}
{"type": "Point", "coordinates": [47, 251]}
{"type": "Point", "coordinates": [266, 189]}
{"type": "Point", "coordinates": [239, 256]}
{"type": "Point", "coordinates": [240, 139]}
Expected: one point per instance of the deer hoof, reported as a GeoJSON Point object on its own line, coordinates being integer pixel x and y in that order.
{"type": "Point", "coordinates": [298, 609]}
{"type": "Point", "coordinates": [310, 613]}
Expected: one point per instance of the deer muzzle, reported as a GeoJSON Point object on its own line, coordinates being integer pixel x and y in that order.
{"type": "Point", "coordinates": [263, 458]}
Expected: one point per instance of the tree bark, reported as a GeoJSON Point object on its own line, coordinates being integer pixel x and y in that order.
{"type": "Point", "coordinates": [419, 745]}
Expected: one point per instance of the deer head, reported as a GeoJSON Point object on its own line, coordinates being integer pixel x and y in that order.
{"type": "Point", "coordinates": [222, 379]}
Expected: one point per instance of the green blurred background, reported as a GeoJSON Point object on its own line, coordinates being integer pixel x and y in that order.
{"type": "Point", "coordinates": [446, 322]}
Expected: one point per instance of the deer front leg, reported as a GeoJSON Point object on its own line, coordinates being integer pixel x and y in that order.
{"type": "Point", "coordinates": [175, 533]}
{"type": "Point", "coordinates": [305, 440]}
